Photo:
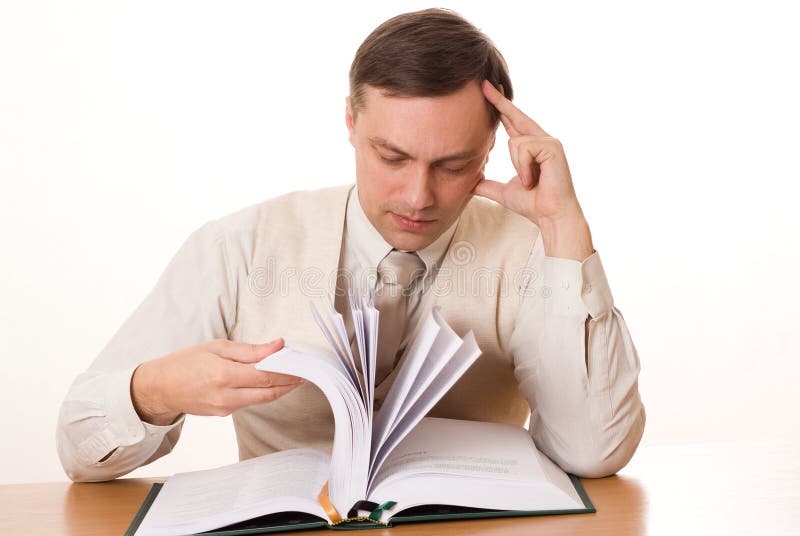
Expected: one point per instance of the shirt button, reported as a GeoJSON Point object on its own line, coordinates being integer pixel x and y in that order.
{"type": "Point", "coordinates": [587, 288]}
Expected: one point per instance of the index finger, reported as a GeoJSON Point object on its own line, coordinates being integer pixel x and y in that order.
{"type": "Point", "coordinates": [521, 122]}
{"type": "Point", "coordinates": [242, 351]}
{"type": "Point", "coordinates": [244, 375]}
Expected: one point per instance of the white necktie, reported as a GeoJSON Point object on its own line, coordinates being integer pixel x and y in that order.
{"type": "Point", "coordinates": [397, 273]}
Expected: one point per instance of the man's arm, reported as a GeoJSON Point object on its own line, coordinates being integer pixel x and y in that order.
{"type": "Point", "coordinates": [577, 366]}
{"type": "Point", "coordinates": [100, 435]}
{"type": "Point", "coordinates": [573, 356]}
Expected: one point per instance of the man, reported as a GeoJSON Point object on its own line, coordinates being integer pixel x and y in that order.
{"type": "Point", "coordinates": [428, 92]}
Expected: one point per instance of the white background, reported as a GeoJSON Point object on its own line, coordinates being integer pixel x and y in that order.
{"type": "Point", "coordinates": [125, 126]}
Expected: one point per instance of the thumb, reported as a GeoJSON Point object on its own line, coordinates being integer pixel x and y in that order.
{"type": "Point", "coordinates": [245, 352]}
{"type": "Point", "coordinates": [267, 348]}
{"type": "Point", "coordinates": [490, 189]}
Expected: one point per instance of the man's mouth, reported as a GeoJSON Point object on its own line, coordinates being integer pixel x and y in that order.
{"type": "Point", "coordinates": [410, 224]}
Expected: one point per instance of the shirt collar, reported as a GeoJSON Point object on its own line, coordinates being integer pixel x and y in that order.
{"type": "Point", "coordinates": [371, 245]}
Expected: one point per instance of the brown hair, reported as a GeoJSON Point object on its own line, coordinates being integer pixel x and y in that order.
{"type": "Point", "coordinates": [427, 53]}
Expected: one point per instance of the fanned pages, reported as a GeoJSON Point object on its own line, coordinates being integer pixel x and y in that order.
{"type": "Point", "coordinates": [434, 347]}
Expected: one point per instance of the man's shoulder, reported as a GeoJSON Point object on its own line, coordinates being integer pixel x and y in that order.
{"type": "Point", "coordinates": [325, 195]}
{"type": "Point", "coordinates": [237, 233]}
{"type": "Point", "coordinates": [296, 202]}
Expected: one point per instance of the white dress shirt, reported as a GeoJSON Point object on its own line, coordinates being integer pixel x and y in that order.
{"type": "Point", "coordinates": [573, 355]}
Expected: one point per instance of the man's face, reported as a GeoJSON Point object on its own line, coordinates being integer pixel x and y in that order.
{"type": "Point", "coordinates": [418, 159]}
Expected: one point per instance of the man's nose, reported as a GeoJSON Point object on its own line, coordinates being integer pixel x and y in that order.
{"type": "Point", "coordinates": [419, 189]}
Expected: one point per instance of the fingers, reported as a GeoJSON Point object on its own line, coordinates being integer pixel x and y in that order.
{"type": "Point", "coordinates": [529, 153]}
{"type": "Point", "coordinates": [512, 132]}
{"type": "Point", "coordinates": [243, 352]}
{"type": "Point", "coordinates": [231, 400]}
{"type": "Point", "coordinates": [526, 165]}
{"type": "Point", "coordinates": [250, 396]}
{"type": "Point", "coordinates": [241, 375]}
{"type": "Point", "coordinates": [513, 150]}
{"type": "Point", "coordinates": [516, 119]}
{"type": "Point", "coordinates": [523, 160]}
{"type": "Point", "coordinates": [522, 131]}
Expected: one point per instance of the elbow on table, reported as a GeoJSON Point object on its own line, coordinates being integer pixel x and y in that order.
{"type": "Point", "coordinates": [79, 467]}
{"type": "Point", "coordinates": [85, 474]}
{"type": "Point", "coordinates": [81, 473]}
{"type": "Point", "coordinates": [610, 456]}
{"type": "Point", "coordinates": [78, 471]}
{"type": "Point", "coordinates": [595, 467]}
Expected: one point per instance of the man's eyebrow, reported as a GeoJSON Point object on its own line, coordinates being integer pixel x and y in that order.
{"type": "Point", "coordinates": [463, 155]}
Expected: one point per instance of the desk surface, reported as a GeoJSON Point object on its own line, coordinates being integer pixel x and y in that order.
{"type": "Point", "coordinates": [747, 487]}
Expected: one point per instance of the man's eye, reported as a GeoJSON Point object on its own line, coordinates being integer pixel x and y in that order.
{"type": "Point", "coordinates": [398, 161]}
{"type": "Point", "coordinates": [391, 160]}
{"type": "Point", "coordinates": [451, 170]}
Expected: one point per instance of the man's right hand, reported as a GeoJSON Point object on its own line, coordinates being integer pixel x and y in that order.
{"type": "Point", "coordinates": [213, 378]}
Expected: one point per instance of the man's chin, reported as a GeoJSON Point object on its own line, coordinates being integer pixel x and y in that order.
{"type": "Point", "coordinates": [412, 240]}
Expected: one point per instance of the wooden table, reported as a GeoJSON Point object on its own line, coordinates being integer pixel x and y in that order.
{"type": "Point", "coordinates": [746, 487]}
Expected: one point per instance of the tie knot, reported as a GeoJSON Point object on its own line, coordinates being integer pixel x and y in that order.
{"type": "Point", "coordinates": [400, 268]}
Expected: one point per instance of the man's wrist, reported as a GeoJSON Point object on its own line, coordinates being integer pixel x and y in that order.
{"type": "Point", "coordinates": [146, 399]}
{"type": "Point", "coordinates": [568, 237]}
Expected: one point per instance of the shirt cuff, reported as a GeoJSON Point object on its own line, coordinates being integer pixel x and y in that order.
{"type": "Point", "coordinates": [576, 288]}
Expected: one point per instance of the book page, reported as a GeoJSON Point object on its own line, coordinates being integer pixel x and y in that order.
{"type": "Point", "coordinates": [475, 464]}
{"type": "Point", "coordinates": [358, 327]}
{"type": "Point", "coordinates": [337, 343]}
{"type": "Point", "coordinates": [448, 375]}
{"type": "Point", "coordinates": [351, 440]}
{"type": "Point", "coordinates": [371, 334]}
{"type": "Point", "coordinates": [421, 349]}
{"type": "Point", "coordinates": [443, 351]}
{"type": "Point", "coordinates": [365, 325]}
{"type": "Point", "coordinates": [199, 501]}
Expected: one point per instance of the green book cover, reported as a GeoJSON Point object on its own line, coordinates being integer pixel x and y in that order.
{"type": "Point", "coordinates": [293, 521]}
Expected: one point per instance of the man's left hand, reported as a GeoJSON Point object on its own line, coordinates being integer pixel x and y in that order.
{"type": "Point", "coordinates": [542, 190]}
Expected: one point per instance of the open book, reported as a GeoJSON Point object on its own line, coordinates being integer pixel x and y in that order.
{"type": "Point", "coordinates": [386, 467]}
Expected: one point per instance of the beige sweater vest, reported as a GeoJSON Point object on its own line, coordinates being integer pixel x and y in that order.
{"type": "Point", "coordinates": [296, 258]}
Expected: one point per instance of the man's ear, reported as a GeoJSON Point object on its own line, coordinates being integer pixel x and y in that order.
{"type": "Point", "coordinates": [348, 119]}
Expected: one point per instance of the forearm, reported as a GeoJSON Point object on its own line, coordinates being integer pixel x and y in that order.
{"type": "Point", "coordinates": [567, 238]}
{"type": "Point", "coordinates": [99, 435]}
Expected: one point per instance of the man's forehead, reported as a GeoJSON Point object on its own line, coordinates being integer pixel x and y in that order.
{"type": "Point", "coordinates": [454, 123]}
{"type": "Point", "coordinates": [467, 99]}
